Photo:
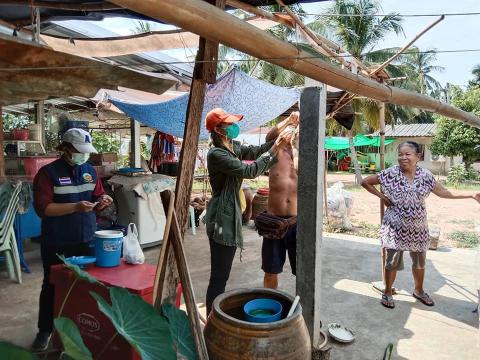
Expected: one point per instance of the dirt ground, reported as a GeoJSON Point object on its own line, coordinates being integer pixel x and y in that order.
{"type": "Point", "coordinates": [448, 215]}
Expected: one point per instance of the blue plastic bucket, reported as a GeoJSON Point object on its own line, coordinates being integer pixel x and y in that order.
{"type": "Point", "coordinates": [108, 247]}
{"type": "Point", "coordinates": [263, 310]}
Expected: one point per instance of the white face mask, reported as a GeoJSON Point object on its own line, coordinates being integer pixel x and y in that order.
{"type": "Point", "coordinates": [80, 158]}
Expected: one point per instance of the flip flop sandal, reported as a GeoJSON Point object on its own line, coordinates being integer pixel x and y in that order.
{"type": "Point", "coordinates": [387, 301]}
{"type": "Point", "coordinates": [424, 298]}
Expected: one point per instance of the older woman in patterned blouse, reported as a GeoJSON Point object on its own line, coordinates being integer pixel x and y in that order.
{"type": "Point", "coordinates": [404, 227]}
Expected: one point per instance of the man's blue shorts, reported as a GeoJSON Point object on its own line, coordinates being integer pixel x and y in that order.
{"type": "Point", "coordinates": [274, 252]}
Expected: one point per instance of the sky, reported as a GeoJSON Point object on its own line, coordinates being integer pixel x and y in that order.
{"type": "Point", "coordinates": [453, 33]}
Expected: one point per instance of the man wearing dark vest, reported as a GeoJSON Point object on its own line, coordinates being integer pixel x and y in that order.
{"type": "Point", "coordinates": [67, 192]}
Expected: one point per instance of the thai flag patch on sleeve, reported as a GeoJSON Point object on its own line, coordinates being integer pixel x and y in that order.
{"type": "Point", "coordinates": [65, 181]}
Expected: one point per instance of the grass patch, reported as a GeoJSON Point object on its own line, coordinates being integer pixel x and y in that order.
{"type": "Point", "coordinates": [363, 229]}
{"type": "Point", "coordinates": [354, 188]}
{"type": "Point", "coordinates": [465, 239]}
{"type": "Point", "coordinates": [257, 183]}
{"type": "Point", "coordinates": [461, 222]}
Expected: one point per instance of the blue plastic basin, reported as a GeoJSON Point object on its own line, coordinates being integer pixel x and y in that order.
{"type": "Point", "coordinates": [262, 311]}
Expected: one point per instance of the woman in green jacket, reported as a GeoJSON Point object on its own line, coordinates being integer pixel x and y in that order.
{"type": "Point", "coordinates": [226, 173]}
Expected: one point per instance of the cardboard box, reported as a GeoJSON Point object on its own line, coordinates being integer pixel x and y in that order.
{"type": "Point", "coordinates": [103, 159]}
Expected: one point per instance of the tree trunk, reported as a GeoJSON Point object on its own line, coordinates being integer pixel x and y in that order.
{"type": "Point", "coordinates": [353, 152]}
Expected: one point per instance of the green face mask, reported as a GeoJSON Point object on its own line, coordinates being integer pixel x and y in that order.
{"type": "Point", "coordinates": [80, 158]}
{"type": "Point", "coordinates": [232, 131]}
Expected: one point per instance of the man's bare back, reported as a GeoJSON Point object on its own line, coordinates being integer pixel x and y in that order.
{"type": "Point", "coordinates": [283, 180]}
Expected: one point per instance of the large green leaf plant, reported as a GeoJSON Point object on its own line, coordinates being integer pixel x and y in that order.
{"type": "Point", "coordinates": [154, 336]}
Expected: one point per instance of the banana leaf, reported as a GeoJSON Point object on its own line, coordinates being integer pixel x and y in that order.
{"type": "Point", "coordinates": [146, 330]}
{"type": "Point", "coordinates": [10, 351]}
{"type": "Point", "coordinates": [181, 332]}
{"type": "Point", "coordinates": [72, 341]}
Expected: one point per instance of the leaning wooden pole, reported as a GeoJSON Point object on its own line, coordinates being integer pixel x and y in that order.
{"type": "Point", "coordinates": [210, 22]}
{"type": "Point", "coordinates": [382, 167]}
{"type": "Point", "coordinates": [204, 72]}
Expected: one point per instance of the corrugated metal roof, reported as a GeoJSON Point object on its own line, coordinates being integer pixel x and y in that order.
{"type": "Point", "coordinates": [94, 10]}
{"type": "Point", "coordinates": [410, 130]}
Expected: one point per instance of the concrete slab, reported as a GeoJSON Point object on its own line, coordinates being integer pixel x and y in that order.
{"type": "Point", "coordinates": [449, 330]}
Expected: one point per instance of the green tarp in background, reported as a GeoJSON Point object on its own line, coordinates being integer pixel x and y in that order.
{"type": "Point", "coordinates": [341, 143]}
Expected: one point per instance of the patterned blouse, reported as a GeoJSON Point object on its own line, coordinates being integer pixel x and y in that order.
{"type": "Point", "coordinates": [404, 225]}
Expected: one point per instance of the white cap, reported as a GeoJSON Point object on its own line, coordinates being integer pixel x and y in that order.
{"type": "Point", "coordinates": [80, 139]}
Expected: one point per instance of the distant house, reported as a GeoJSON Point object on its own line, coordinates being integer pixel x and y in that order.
{"type": "Point", "coordinates": [423, 135]}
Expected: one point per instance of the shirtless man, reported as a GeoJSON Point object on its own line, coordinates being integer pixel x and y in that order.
{"type": "Point", "coordinates": [282, 202]}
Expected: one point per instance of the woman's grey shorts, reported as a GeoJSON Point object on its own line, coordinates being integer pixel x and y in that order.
{"type": "Point", "coordinates": [394, 259]}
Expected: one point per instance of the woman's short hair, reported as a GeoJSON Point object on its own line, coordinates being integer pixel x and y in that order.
{"type": "Point", "coordinates": [216, 139]}
{"type": "Point", "coordinates": [412, 144]}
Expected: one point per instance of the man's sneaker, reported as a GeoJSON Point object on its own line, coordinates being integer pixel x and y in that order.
{"type": "Point", "coordinates": [41, 341]}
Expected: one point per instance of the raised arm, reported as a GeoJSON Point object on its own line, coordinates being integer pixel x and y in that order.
{"type": "Point", "coordinates": [221, 160]}
{"type": "Point", "coordinates": [251, 152]}
{"type": "Point", "coordinates": [293, 119]}
{"type": "Point", "coordinates": [369, 184]}
{"type": "Point", "coordinates": [444, 193]}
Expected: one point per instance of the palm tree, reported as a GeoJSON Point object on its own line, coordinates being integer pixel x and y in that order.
{"type": "Point", "coordinates": [141, 27]}
{"type": "Point", "coordinates": [476, 74]}
{"type": "Point", "coordinates": [260, 69]}
{"type": "Point", "coordinates": [362, 31]}
{"type": "Point", "coordinates": [418, 66]}
{"type": "Point", "coordinates": [359, 34]}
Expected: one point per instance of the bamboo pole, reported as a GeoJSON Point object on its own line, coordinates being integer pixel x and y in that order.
{"type": "Point", "coordinates": [386, 63]}
{"type": "Point", "coordinates": [325, 186]}
{"type": "Point", "coordinates": [382, 167]}
{"type": "Point", "coordinates": [402, 50]}
{"type": "Point", "coordinates": [322, 44]}
{"type": "Point", "coordinates": [162, 259]}
{"type": "Point", "coordinates": [381, 110]}
{"type": "Point", "coordinates": [259, 12]}
{"type": "Point", "coordinates": [312, 37]}
{"type": "Point", "coordinates": [208, 21]}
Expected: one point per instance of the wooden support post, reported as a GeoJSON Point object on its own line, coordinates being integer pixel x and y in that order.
{"type": "Point", "coordinates": [135, 156]}
{"type": "Point", "coordinates": [381, 109]}
{"type": "Point", "coordinates": [2, 157]}
{"type": "Point", "coordinates": [204, 72]}
{"type": "Point", "coordinates": [310, 203]}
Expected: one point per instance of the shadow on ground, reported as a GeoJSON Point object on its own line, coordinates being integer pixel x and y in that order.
{"type": "Point", "coordinates": [448, 330]}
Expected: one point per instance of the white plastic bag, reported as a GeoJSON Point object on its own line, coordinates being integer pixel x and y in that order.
{"type": "Point", "coordinates": [340, 204]}
{"type": "Point", "coordinates": [132, 252]}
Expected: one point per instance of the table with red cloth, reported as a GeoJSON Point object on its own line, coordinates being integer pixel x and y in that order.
{"type": "Point", "coordinates": [95, 328]}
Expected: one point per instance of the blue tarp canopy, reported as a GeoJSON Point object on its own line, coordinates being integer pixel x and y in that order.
{"type": "Point", "coordinates": [235, 92]}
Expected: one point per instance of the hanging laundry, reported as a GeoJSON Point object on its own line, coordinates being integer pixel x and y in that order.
{"type": "Point", "coordinates": [163, 158]}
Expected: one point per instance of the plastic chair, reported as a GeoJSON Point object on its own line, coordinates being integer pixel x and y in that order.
{"type": "Point", "coordinates": [8, 242]}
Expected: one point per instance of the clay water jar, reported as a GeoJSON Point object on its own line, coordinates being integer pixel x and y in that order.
{"type": "Point", "coordinates": [229, 337]}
